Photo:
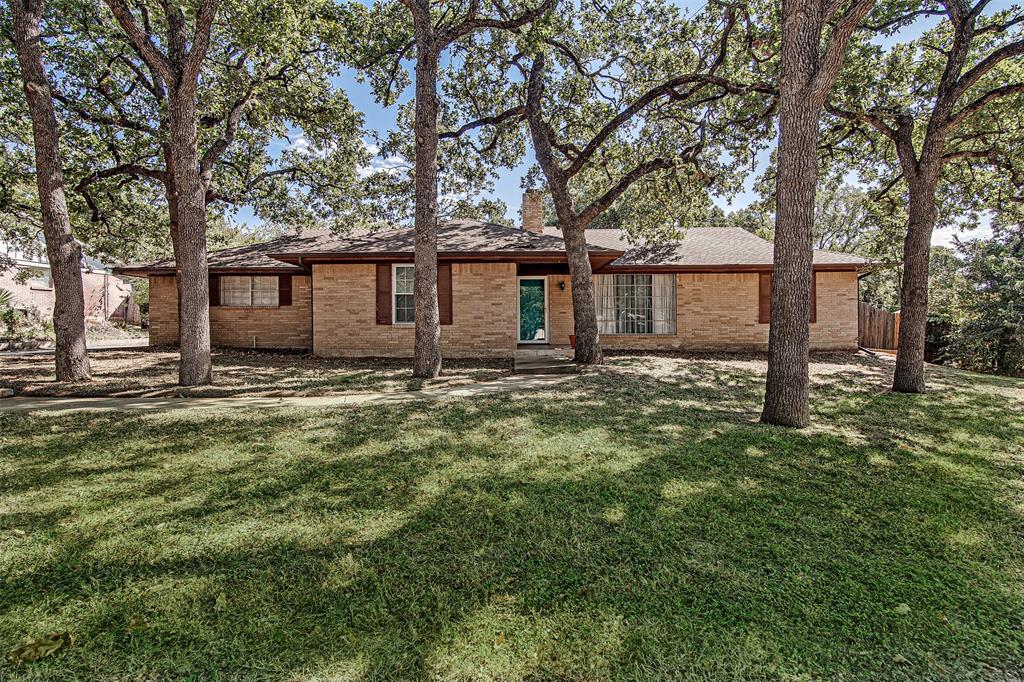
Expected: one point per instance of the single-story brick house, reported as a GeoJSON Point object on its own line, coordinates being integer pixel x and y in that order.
{"type": "Point", "coordinates": [500, 287]}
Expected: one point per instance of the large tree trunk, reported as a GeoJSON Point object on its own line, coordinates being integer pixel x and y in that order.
{"type": "Point", "coordinates": [909, 374]}
{"type": "Point", "coordinates": [63, 252]}
{"type": "Point", "coordinates": [787, 389]}
{"type": "Point", "coordinates": [193, 276]}
{"type": "Point", "coordinates": [171, 194]}
{"type": "Point", "coordinates": [584, 312]}
{"type": "Point", "coordinates": [427, 358]}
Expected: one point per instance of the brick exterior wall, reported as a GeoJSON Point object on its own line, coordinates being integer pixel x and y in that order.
{"type": "Point", "coordinates": [94, 285]}
{"type": "Point", "coordinates": [163, 311]}
{"type": "Point", "coordinates": [718, 311]}
{"type": "Point", "coordinates": [280, 327]}
{"type": "Point", "coordinates": [484, 313]}
{"type": "Point", "coordinates": [713, 312]}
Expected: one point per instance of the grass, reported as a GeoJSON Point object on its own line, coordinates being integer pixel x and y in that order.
{"type": "Point", "coordinates": [154, 373]}
{"type": "Point", "coordinates": [634, 524]}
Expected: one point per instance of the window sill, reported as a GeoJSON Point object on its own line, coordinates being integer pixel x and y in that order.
{"type": "Point", "coordinates": [403, 324]}
{"type": "Point", "coordinates": [248, 307]}
{"type": "Point", "coordinates": [642, 335]}
{"type": "Point", "coordinates": [32, 288]}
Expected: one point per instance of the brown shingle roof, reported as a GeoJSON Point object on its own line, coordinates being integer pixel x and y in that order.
{"type": "Point", "coordinates": [702, 246]}
{"type": "Point", "coordinates": [456, 236]}
{"type": "Point", "coordinates": [453, 237]}
{"type": "Point", "coordinates": [719, 247]}
{"type": "Point", "coordinates": [251, 256]}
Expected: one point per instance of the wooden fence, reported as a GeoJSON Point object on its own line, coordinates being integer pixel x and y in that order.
{"type": "Point", "coordinates": [877, 328]}
{"type": "Point", "coordinates": [128, 312]}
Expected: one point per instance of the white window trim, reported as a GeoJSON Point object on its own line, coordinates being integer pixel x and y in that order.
{"type": "Point", "coordinates": [251, 290]}
{"type": "Point", "coordinates": [675, 309]}
{"type": "Point", "coordinates": [394, 294]}
{"type": "Point", "coordinates": [38, 282]}
{"type": "Point", "coordinates": [547, 310]}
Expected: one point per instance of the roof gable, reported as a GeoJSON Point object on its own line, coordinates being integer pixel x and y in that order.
{"type": "Point", "coordinates": [703, 247]}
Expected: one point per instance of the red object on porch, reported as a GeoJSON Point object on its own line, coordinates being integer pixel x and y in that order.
{"type": "Point", "coordinates": [572, 340]}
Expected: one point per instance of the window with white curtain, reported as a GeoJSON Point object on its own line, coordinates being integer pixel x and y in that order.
{"type": "Point", "coordinates": [636, 304]}
{"type": "Point", "coordinates": [405, 306]}
{"type": "Point", "coordinates": [249, 292]}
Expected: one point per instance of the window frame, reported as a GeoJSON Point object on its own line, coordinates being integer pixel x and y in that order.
{"type": "Point", "coordinates": [252, 289]}
{"type": "Point", "coordinates": [395, 294]}
{"type": "Point", "coordinates": [674, 307]}
{"type": "Point", "coordinates": [547, 309]}
{"type": "Point", "coordinates": [41, 279]}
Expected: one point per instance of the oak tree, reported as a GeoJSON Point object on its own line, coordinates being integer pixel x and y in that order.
{"type": "Point", "coordinates": [941, 115]}
{"type": "Point", "coordinates": [813, 39]}
{"type": "Point", "coordinates": [424, 35]}
{"type": "Point", "coordinates": [63, 251]}
{"type": "Point", "coordinates": [635, 113]}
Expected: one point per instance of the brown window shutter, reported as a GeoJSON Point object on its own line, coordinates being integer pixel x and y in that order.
{"type": "Point", "coordinates": [814, 297]}
{"type": "Point", "coordinates": [383, 293]}
{"type": "Point", "coordinates": [764, 298]}
{"type": "Point", "coordinates": [284, 290]}
{"type": "Point", "coordinates": [214, 290]}
{"type": "Point", "coordinates": [444, 292]}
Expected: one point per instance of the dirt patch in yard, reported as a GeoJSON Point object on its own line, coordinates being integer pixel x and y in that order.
{"type": "Point", "coordinates": [849, 372]}
{"type": "Point", "coordinates": [154, 373]}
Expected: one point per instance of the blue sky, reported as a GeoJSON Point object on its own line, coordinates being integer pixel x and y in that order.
{"type": "Point", "coordinates": [379, 119]}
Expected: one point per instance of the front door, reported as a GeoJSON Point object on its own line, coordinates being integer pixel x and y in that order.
{"type": "Point", "coordinates": [533, 314]}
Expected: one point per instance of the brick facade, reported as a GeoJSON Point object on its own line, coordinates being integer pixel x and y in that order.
{"type": "Point", "coordinates": [102, 293]}
{"type": "Point", "coordinates": [719, 311]}
{"type": "Point", "coordinates": [714, 311]}
{"type": "Point", "coordinates": [271, 327]}
{"type": "Point", "coordinates": [163, 311]}
{"type": "Point", "coordinates": [484, 313]}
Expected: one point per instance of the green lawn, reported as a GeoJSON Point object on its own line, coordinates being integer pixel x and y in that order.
{"type": "Point", "coordinates": [634, 524]}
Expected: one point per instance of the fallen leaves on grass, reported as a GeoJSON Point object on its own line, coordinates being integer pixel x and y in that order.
{"type": "Point", "coordinates": [34, 649]}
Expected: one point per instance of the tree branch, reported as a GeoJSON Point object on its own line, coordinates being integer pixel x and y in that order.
{"type": "Point", "coordinates": [873, 120]}
{"type": "Point", "coordinates": [142, 40]}
{"type": "Point", "coordinates": [983, 101]}
{"type": "Point", "coordinates": [600, 204]}
{"type": "Point", "coordinates": [200, 42]}
{"type": "Point", "coordinates": [974, 74]}
{"type": "Point", "coordinates": [832, 59]}
{"type": "Point", "coordinates": [474, 23]}
{"type": "Point", "coordinates": [497, 119]}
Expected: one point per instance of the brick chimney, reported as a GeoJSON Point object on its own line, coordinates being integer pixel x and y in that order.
{"type": "Point", "coordinates": [533, 211]}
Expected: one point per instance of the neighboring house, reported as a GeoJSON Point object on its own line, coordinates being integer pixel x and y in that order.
{"type": "Point", "coordinates": [107, 296]}
{"type": "Point", "coordinates": [500, 287]}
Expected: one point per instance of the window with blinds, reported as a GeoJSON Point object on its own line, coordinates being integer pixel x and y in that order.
{"type": "Point", "coordinates": [405, 304]}
{"type": "Point", "coordinates": [249, 292]}
{"type": "Point", "coordinates": [636, 304]}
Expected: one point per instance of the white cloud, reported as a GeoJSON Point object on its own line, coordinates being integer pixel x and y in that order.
{"type": "Point", "coordinates": [300, 145]}
{"type": "Point", "coordinates": [944, 236]}
{"type": "Point", "coordinates": [390, 165]}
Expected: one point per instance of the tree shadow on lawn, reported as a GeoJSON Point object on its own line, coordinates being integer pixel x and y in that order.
{"type": "Point", "coordinates": [616, 529]}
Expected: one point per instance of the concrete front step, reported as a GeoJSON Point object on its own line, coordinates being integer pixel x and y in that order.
{"type": "Point", "coordinates": [546, 366]}
{"type": "Point", "coordinates": [524, 353]}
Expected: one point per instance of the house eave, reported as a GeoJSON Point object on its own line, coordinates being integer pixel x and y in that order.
{"type": "Point", "coordinates": [343, 257]}
{"type": "Point", "coordinates": [145, 271]}
{"type": "Point", "coordinates": [722, 268]}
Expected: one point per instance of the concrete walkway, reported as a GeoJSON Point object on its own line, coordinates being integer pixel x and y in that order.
{"type": "Point", "coordinates": [110, 344]}
{"type": "Point", "coordinates": [66, 405]}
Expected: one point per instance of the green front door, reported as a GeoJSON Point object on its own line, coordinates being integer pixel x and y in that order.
{"type": "Point", "coordinates": [532, 317]}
